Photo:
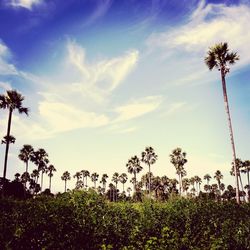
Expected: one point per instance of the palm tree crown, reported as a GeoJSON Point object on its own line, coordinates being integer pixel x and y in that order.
{"type": "Point", "coordinates": [219, 57]}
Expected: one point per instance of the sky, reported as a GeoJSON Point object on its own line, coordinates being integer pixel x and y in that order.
{"type": "Point", "coordinates": [105, 78]}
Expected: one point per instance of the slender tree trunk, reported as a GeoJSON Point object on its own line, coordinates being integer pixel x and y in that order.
{"type": "Point", "coordinates": [248, 180]}
{"type": "Point", "coordinates": [50, 183]}
{"type": "Point", "coordinates": [86, 182]}
{"type": "Point", "coordinates": [65, 186]}
{"type": "Point", "coordinates": [149, 184]}
{"type": "Point", "coordinates": [179, 183]}
{"type": "Point", "coordinates": [26, 172]}
{"type": "Point", "coordinates": [242, 187]}
{"type": "Point", "coordinates": [123, 187]}
{"type": "Point", "coordinates": [7, 144]}
{"type": "Point", "coordinates": [231, 133]}
{"type": "Point", "coordinates": [42, 182]}
{"type": "Point", "coordinates": [116, 194]}
{"type": "Point", "coordinates": [134, 181]}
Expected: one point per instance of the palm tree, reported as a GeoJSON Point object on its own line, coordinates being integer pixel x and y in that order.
{"type": "Point", "coordinates": [65, 177]}
{"type": "Point", "coordinates": [218, 177]}
{"type": "Point", "coordinates": [40, 159]}
{"type": "Point", "coordinates": [86, 174]}
{"type": "Point", "coordinates": [219, 57]}
{"type": "Point", "coordinates": [185, 184]}
{"type": "Point", "coordinates": [51, 169]}
{"type": "Point", "coordinates": [239, 166]}
{"type": "Point", "coordinates": [149, 157]}
{"type": "Point", "coordinates": [35, 175]}
{"type": "Point", "coordinates": [115, 179]}
{"type": "Point", "coordinates": [207, 177]}
{"type": "Point", "coordinates": [11, 101]}
{"type": "Point", "coordinates": [25, 155]}
{"type": "Point", "coordinates": [79, 182]}
{"type": "Point", "coordinates": [246, 169]}
{"type": "Point", "coordinates": [104, 181]}
{"type": "Point", "coordinates": [178, 159]}
{"type": "Point", "coordinates": [94, 178]}
{"type": "Point", "coordinates": [123, 179]}
{"type": "Point", "coordinates": [134, 167]}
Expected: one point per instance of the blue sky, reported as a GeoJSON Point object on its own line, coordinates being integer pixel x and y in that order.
{"type": "Point", "coordinates": [104, 79]}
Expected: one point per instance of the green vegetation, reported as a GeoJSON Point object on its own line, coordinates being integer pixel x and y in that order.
{"type": "Point", "coordinates": [85, 220]}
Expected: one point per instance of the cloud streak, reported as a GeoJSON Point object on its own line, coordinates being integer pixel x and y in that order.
{"type": "Point", "coordinates": [28, 4]}
{"type": "Point", "coordinates": [207, 25]}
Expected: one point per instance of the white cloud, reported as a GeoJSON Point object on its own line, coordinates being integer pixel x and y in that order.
{"type": "Point", "coordinates": [98, 79]}
{"type": "Point", "coordinates": [102, 8]}
{"type": "Point", "coordinates": [28, 4]}
{"type": "Point", "coordinates": [62, 117]}
{"type": "Point", "coordinates": [138, 108]}
{"type": "Point", "coordinates": [209, 24]}
{"type": "Point", "coordinates": [174, 107]}
{"type": "Point", "coordinates": [5, 67]}
{"type": "Point", "coordinates": [5, 85]}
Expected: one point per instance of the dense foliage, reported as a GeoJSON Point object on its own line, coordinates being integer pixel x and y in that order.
{"type": "Point", "coordinates": [85, 220]}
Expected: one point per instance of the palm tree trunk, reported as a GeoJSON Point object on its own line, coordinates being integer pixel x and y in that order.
{"type": "Point", "coordinates": [180, 184]}
{"type": "Point", "coordinates": [42, 182]}
{"type": "Point", "coordinates": [134, 181]}
{"type": "Point", "coordinates": [231, 132]}
{"type": "Point", "coordinates": [65, 186]}
{"type": "Point", "coordinates": [50, 183]}
{"type": "Point", "coordinates": [26, 172]}
{"type": "Point", "coordinates": [242, 187]}
{"type": "Point", "coordinates": [123, 187]}
{"type": "Point", "coordinates": [115, 191]}
{"type": "Point", "coordinates": [7, 144]}
{"type": "Point", "coordinates": [86, 182]}
{"type": "Point", "coordinates": [248, 180]}
{"type": "Point", "coordinates": [149, 184]}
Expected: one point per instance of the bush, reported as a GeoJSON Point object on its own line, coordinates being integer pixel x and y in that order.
{"type": "Point", "coordinates": [85, 220]}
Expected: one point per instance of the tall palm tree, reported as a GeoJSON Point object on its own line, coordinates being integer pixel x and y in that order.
{"type": "Point", "coordinates": [178, 159]}
{"type": "Point", "coordinates": [78, 176]}
{"type": "Point", "coordinates": [134, 167]}
{"type": "Point", "coordinates": [218, 176]}
{"type": "Point", "coordinates": [51, 169]}
{"type": "Point", "coordinates": [207, 177]}
{"type": "Point", "coordinates": [65, 177]}
{"type": "Point", "coordinates": [35, 175]}
{"type": "Point", "coordinates": [94, 178]}
{"type": "Point", "coordinates": [25, 155]}
{"type": "Point", "coordinates": [115, 179]}
{"type": "Point", "coordinates": [40, 159]}
{"type": "Point", "coordinates": [104, 181]}
{"type": "Point", "coordinates": [123, 179]}
{"type": "Point", "coordinates": [246, 169]}
{"type": "Point", "coordinates": [198, 182]}
{"type": "Point", "coordinates": [219, 57]}
{"type": "Point", "coordinates": [86, 174]}
{"type": "Point", "coordinates": [12, 101]}
{"type": "Point", "coordinates": [149, 157]}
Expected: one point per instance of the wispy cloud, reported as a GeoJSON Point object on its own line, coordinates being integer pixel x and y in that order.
{"type": "Point", "coordinates": [138, 108]}
{"type": "Point", "coordinates": [6, 68]}
{"type": "Point", "coordinates": [101, 9]}
{"type": "Point", "coordinates": [98, 79]}
{"type": "Point", "coordinates": [207, 25]}
{"type": "Point", "coordinates": [28, 4]}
